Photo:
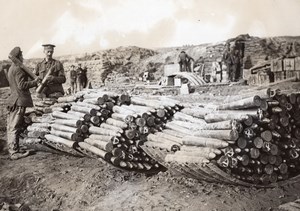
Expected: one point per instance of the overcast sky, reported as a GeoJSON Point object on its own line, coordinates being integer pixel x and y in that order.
{"type": "Point", "coordinates": [80, 26]}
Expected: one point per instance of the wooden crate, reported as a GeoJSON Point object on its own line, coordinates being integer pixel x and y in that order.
{"type": "Point", "coordinates": [263, 78]}
{"type": "Point", "coordinates": [288, 64]}
{"type": "Point", "coordinates": [297, 73]}
{"type": "Point", "coordinates": [290, 73]}
{"type": "Point", "coordinates": [278, 76]}
{"type": "Point", "coordinates": [177, 82]}
{"type": "Point", "coordinates": [297, 63]}
{"type": "Point", "coordinates": [246, 74]}
{"type": "Point", "coordinates": [253, 79]}
{"type": "Point", "coordinates": [276, 65]}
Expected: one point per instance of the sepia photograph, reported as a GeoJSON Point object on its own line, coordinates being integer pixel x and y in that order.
{"type": "Point", "coordinates": [150, 105]}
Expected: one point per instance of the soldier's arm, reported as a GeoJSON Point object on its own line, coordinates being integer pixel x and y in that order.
{"type": "Point", "coordinates": [61, 78]}
{"type": "Point", "coordinates": [22, 82]}
{"type": "Point", "coordinates": [36, 70]}
{"type": "Point", "coordinates": [179, 59]}
{"type": "Point", "coordinates": [189, 58]}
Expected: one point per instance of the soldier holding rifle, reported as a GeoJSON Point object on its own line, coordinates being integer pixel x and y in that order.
{"type": "Point", "coordinates": [51, 71]}
{"type": "Point", "coordinates": [20, 98]}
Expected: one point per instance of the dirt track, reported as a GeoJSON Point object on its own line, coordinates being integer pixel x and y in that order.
{"type": "Point", "coordinates": [55, 182]}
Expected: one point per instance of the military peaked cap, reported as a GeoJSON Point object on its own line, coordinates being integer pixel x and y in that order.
{"type": "Point", "coordinates": [48, 46]}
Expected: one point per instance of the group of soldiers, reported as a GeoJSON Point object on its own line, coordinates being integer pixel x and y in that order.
{"type": "Point", "coordinates": [78, 78]}
{"type": "Point", "coordinates": [50, 73]}
{"type": "Point", "coordinates": [185, 62]}
{"type": "Point", "coordinates": [232, 59]}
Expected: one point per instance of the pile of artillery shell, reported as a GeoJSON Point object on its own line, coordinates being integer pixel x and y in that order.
{"type": "Point", "coordinates": [134, 125]}
{"type": "Point", "coordinates": [261, 130]}
{"type": "Point", "coordinates": [43, 105]}
{"type": "Point", "coordinates": [97, 124]}
{"type": "Point", "coordinates": [249, 139]}
{"type": "Point", "coordinates": [268, 146]}
{"type": "Point", "coordinates": [253, 139]}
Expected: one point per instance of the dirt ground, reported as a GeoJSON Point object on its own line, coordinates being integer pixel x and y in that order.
{"type": "Point", "coordinates": [55, 182]}
{"type": "Point", "coordinates": [46, 181]}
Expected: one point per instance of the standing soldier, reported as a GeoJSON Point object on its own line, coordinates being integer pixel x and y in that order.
{"type": "Point", "coordinates": [73, 78]}
{"type": "Point", "coordinates": [19, 99]}
{"type": "Point", "coordinates": [85, 80]}
{"type": "Point", "coordinates": [57, 76]}
{"type": "Point", "coordinates": [80, 77]}
{"type": "Point", "coordinates": [184, 61]}
{"type": "Point", "coordinates": [190, 64]}
{"type": "Point", "coordinates": [235, 68]}
{"type": "Point", "coordinates": [227, 59]}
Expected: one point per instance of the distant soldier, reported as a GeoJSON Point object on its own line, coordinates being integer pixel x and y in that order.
{"type": "Point", "coordinates": [80, 77]}
{"type": "Point", "coordinates": [230, 59]}
{"type": "Point", "coordinates": [227, 57]}
{"type": "Point", "coordinates": [190, 64]}
{"type": "Point", "coordinates": [56, 78]}
{"type": "Point", "coordinates": [290, 50]}
{"type": "Point", "coordinates": [85, 80]}
{"type": "Point", "coordinates": [236, 66]}
{"type": "Point", "coordinates": [73, 78]}
{"type": "Point", "coordinates": [184, 61]}
{"type": "Point", "coordinates": [19, 99]}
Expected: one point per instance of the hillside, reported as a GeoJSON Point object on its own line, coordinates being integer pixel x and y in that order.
{"type": "Point", "coordinates": [124, 64]}
{"type": "Point", "coordinates": [132, 61]}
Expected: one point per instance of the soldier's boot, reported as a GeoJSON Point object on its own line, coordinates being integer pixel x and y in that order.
{"type": "Point", "coordinates": [19, 155]}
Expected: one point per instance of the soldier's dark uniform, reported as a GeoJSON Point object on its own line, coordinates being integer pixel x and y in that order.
{"type": "Point", "coordinates": [54, 86]}
{"type": "Point", "coordinates": [184, 61]}
{"type": "Point", "coordinates": [85, 77]}
{"type": "Point", "coordinates": [19, 99]}
{"type": "Point", "coordinates": [73, 78]}
{"type": "Point", "coordinates": [234, 66]}
{"type": "Point", "coordinates": [80, 77]}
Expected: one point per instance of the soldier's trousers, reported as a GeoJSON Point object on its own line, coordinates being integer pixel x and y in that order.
{"type": "Point", "coordinates": [79, 85]}
{"type": "Point", "coordinates": [183, 66]}
{"type": "Point", "coordinates": [73, 87]}
{"type": "Point", "coordinates": [15, 121]}
{"type": "Point", "coordinates": [232, 73]}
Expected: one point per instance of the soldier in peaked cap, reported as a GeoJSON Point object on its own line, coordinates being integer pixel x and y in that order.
{"type": "Point", "coordinates": [57, 77]}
